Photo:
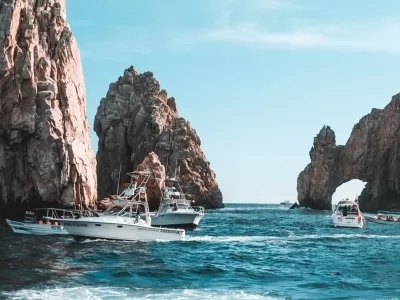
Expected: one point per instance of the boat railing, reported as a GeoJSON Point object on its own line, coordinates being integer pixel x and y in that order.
{"type": "Point", "coordinates": [198, 209]}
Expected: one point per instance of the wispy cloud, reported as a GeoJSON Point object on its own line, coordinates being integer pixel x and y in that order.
{"type": "Point", "coordinates": [378, 36]}
{"type": "Point", "coordinates": [257, 24]}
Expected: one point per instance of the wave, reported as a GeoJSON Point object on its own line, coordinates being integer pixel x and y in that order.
{"type": "Point", "coordinates": [252, 208]}
{"type": "Point", "coordinates": [219, 239]}
{"type": "Point", "coordinates": [224, 239]}
{"type": "Point", "coordinates": [108, 293]}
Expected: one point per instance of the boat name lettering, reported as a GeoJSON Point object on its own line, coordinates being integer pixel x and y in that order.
{"type": "Point", "coordinates": [160, 230]}
{"type": "Point", "coordinates": [75, 224]}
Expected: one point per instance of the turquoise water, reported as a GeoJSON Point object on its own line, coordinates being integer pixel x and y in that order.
{"type": "Point", "coordinates": [240, 252]}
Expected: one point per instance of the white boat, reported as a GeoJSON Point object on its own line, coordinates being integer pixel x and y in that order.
{"type": "Point", "coordinates": [347, 214]}
{"type": "Point", "coordinates": [174, 209]}
{"type": "Point", "coordinates": [126, 223]}
{"type": "Point", "coordinates": [286, 202]}
{"type": "Point", "coordinates": [35, 223]}
{"type": "Point", "coordinates": [385, 217]}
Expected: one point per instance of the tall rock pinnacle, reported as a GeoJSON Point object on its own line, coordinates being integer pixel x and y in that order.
{"type": "Point", "coordinates": [45, 153]}
{"type": "Point", "coordinates": [137, 118]}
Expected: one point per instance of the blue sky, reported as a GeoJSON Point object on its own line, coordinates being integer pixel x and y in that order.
{"type": "Point", "coordinates": [257, 78]}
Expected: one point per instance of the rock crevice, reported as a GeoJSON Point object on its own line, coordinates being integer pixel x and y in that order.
{"type": "Point", "coordinates": [371, 154]}
{"type": "Point", "coordinates": [136, 118]}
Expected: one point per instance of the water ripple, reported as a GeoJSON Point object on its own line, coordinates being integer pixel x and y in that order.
{"type": "Point", "coordinates": [240, 252]}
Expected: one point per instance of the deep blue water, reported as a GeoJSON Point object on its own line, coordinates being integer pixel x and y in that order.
{"type": "Point", "coordinates": [240, 252]}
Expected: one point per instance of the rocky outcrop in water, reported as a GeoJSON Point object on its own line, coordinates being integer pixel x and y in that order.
{"type": "Point", "coordinates": [371, 154]}
{"type": "Point", "coordinates": [45, 153]}
{"type": "Point", "coordinates": [136, 118]}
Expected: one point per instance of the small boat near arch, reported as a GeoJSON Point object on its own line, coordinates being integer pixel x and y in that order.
{"type": "Point", "coordinates": [347, 214]}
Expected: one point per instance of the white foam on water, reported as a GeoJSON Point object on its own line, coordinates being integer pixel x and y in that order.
{"type": "Point", "coordinates": [250, 239]}
{"type": "Point", "coordinates": [121, 241]}
{"type": "Point", "coordinates": [292, 237]}
{"type": "Point", "coordinates": [255, 207]}
{"type": "Point", "coordinates": [113, 293]}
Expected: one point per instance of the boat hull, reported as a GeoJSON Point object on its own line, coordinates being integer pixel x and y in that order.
{"type": "Point", "coordinates": [177, 219]}
{"type": "Point", "coordinates": [347, 221]}
{"type": "Point", "coordinates": [36, 229]}
{"type": "Point", "coordinates": [86, 229]}
{"type": "Point", "coordinates": [375, 220]}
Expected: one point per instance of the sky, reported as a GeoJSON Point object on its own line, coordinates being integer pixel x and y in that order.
{"type": "Point", "coordinates": [257, 79]}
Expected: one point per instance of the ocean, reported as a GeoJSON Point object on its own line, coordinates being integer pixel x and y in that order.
{"type": "Point", "coordinates": [244, 251]}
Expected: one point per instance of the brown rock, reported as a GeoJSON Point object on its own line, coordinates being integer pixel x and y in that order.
{"type": "Point", "coordinates": [371, 154]}
{"type": "Point", "coordinates": [45, 152]}
{"type": "Point", "coordinates": [152, 163]}
{"type": "Point", "coordinates": [137, 118]}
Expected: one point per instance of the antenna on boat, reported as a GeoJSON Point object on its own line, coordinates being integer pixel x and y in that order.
{"type": "Point", "coordinates": [176, 165]}
{"type": "Point", "coordinates": [119, 176]}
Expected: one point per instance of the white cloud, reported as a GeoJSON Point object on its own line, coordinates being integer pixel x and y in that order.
{"type": "Point", "coordinates": [255, 5]}
{"type": "Point", "coordinates": [379, 36]}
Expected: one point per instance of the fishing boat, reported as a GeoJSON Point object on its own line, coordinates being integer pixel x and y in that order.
{"type": "Point", "coordinates": [174, 209]}
{"type": "Point", "coordinates": [124, 223]}
{"type": "Point", "coordinates": [385, 217]}
{"type": "Point", "coordinates": [286, 202]}
{"type": "Point", "coordinates": [347, 214]}
{"type": "Point", "coordinates": [35, 222]}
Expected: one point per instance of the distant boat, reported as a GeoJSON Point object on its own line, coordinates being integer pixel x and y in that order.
{"type": "Point", "coordinates": [286, 202]}
{"type": "Point", "coordinates": [385, 217]}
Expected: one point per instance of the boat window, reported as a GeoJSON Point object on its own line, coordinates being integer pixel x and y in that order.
{"type": "Point", "coordinates": [98, 224]}
{"type": "Point", "coordinates": [120, 226]}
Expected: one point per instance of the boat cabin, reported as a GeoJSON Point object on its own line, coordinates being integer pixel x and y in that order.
{"type": "Point", "coordinates": [40, 215]}
{"type": "Point", "coordinates": [347, 207]}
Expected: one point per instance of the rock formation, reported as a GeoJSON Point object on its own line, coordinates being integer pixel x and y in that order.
{"type": "Point", "coordinates": [137, 118]}
{"type": "Point", "coordinates": [45, 153]}
{"type": "Point", "coordinates": [152, 163]}
{"type": "Point", "coordinates": [371, 154]}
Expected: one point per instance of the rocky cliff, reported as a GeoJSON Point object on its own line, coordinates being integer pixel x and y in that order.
{"type": "Point", "coordinates": [136, 118]}
{"type": "Point", "coordinates": [45, 153]}
{"type": "Point", "coordinates": [371, 154]}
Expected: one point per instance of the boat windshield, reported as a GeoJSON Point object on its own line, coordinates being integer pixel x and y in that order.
{"type": "Point", "coordinates": [348, 209]}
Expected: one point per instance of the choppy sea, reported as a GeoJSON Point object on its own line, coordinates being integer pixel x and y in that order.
{"type": "Point", "coordinates": [240, 252]}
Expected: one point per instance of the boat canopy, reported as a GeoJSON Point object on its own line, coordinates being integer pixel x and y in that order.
{"type": "Point", "coordinates": [347, 202]}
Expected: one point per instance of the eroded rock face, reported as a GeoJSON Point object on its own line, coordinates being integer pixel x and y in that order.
{"type": "Point", "coordinates": [45, 153]}
{"type": "Point", "coordinates": [136, 118]}
{"type": "Point", "coordinates": [371, 154]}
{"type": "Point", "coordinates": [152, 163]}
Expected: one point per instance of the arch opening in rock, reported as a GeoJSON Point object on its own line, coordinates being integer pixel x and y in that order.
{"type": "Point", "coordinates": [371, 154]}
{"type": "Point", "coordinates": [349, 190]}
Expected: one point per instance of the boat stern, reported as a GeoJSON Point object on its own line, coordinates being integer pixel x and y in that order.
{"type": "Point", "coordinates": [348, 221]}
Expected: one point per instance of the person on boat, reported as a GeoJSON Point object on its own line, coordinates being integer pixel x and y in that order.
{"type": "Point", "coordinates": [40, 221]}
{"type": "Point", "coordinates": [379, 217]}
{"type": "Point", "coordinates": [175, 207]}
{"type": "Point", "coordinates": [344, 211]}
